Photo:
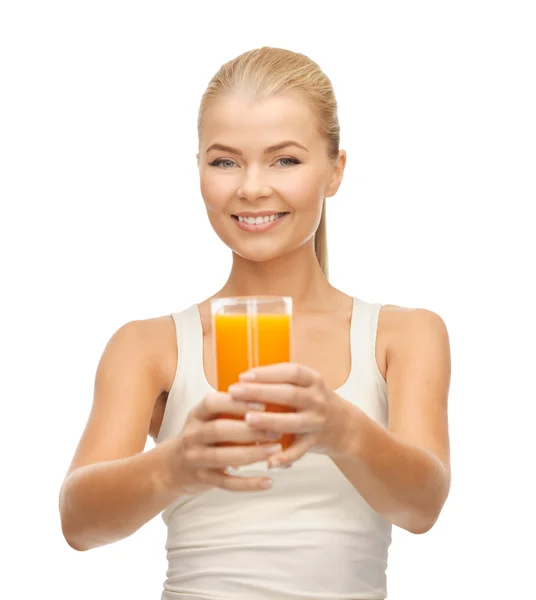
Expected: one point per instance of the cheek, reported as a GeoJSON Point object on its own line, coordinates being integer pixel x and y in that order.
{"type": "Point", "coordinates": [216, 191]}
{"type": "Point", "coordinates": [304, 190]}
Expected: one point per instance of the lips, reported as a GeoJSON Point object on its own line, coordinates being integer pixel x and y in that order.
{"type": "Point", "coordinates": [257, 222]}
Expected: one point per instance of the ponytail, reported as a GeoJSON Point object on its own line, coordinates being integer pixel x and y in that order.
{"type": "Point", "coordinates": [321, 242]}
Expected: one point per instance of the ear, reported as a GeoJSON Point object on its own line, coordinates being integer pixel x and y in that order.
{"type": "Point", "coordinates": [337, 174]}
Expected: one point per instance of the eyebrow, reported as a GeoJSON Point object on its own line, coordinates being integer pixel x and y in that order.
{"type": "Point", "coordinates": [268, 150]}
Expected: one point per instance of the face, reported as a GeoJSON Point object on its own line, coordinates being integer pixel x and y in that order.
{"type": "Point", "coordinates": [264, 172]}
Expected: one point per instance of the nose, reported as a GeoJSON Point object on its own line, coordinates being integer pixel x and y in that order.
{"type": "Point", "coordinates": [253, 185]}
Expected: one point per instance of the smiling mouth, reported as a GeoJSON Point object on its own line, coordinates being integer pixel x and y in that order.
{"type": "Point", "coordinates": [259, 224]}
{"type": "Point", "coordinates": [259, 220]}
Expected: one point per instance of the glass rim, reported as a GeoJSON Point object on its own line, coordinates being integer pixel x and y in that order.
{"type": "Point", "coordinates": [245, 300]}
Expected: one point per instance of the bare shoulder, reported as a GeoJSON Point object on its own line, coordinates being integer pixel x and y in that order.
{"type": "Point", "coordinates": [152, 340]}
{"type": "Point", "coordinates": [163, 335]}
{"type": "Point", "coordinates": [401, 329]}
{"type": "Point", "coordinates": [405, 327]}
{"type": "Point", "coordinates": [403, 316]}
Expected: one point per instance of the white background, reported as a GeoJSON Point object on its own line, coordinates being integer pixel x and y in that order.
{"type": "Point", "coordinates": [102, 222]}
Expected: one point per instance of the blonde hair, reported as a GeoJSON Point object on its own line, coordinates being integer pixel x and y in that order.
{"type": "Point", "coordinates": [272, 71]}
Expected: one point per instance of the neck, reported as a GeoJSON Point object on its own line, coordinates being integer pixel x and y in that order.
{"type": "Point", "coordinates": [297, 274]}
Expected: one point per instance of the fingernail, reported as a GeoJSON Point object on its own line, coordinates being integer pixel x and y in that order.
{"type": "Point", "coordinates": [273, 435]}
{"type": "Point", "coordinates": [266, 484]}
{"type": "Point", "coordinates": [273, 463]}
{"type": "Point", "coordinates": [256, 406]}
{"type": "Point", "coordinates": [253, 418]}
{"type": "Point", "coordinates": [273, 449]}
{"type": "Point", "coordinates": [236, 390]}
{"type": "Point", "coordinates": [247, 376]}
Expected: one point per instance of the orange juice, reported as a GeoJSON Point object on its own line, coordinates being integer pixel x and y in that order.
{"type": "Point", "coordinates": [245, 341]}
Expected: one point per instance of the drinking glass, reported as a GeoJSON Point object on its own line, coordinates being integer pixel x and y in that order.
{"type": "Point", "coordinates": [251, 331]}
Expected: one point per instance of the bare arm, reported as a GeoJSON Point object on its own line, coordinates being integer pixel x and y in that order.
{"type": "Point", "coordinates": [108, 501]}
{"type": "Point", "coordinates": [112, 487]}
{"type": "Point", "coordinates": [403, 472]}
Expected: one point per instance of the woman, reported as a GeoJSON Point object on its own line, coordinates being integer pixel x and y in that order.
{"type": "Point", "coordinates": [369, 384]}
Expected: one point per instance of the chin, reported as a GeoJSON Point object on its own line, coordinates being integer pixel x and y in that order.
{"type": "Point", "coordinates": [258, 255]}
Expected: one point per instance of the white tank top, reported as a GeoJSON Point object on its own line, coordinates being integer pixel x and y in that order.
{"type": "Point", "coordinates": [310, 536]}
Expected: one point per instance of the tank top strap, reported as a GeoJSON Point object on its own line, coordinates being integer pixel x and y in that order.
{"type": "Point", "coordinates": [363, 334]}
{"type": "Point", "coordinates": [189, 383]}
{"type": "Point", "coordinates": [189, 331]}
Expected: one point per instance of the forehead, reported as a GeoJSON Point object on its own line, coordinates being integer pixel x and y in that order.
{"type": "Point", "coordinates": [242, 122]}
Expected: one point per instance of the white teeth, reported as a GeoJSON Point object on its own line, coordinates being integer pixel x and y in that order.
{"type": "Point", "coordinates": [258, 220]}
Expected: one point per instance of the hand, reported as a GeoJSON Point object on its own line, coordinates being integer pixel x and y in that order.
{"type": "Point", "coordinates": [198, 464]}
{"type": "Point", "coordinates": [320, 421]}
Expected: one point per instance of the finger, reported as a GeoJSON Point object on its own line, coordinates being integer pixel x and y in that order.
{"type": "Point", "coordinates": [292, 453]}
{"type": "Point", "coordinates": [231, 430]}
{"type": "Point", "coordinates": [293, 422]}
{"type": "Point", "coordinates": [236, 483]}
{"type": "Point", "coordinates": [282, 373]}
{"type": "Point", "coordinates": [217, 403]}
{"type": "Point", "coordinates": [232, 456]}
{"type": "Point", "coordinates": [204, 410]}
{"type": "Point", "coordinates": [284, 394]}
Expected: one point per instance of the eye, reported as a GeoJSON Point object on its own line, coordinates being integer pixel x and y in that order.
{"type": "Point", "coordinates": [287, 161]}
{"type": "Point", "coordinates": [225, 163]}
